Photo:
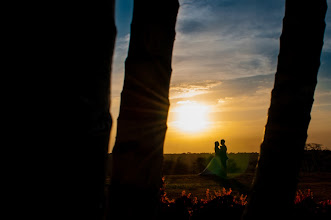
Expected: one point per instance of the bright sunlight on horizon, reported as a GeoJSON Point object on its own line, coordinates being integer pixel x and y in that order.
{"type": "Point", "coordinates": [191, 117]}
{"type": "Point", "coordinates": [224, 63]}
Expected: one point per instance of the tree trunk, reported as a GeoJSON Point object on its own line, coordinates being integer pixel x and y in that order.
{"type": "Point", "coordinates": [138, 151]}
{"type": "Point", "coordinates": [281, 152]}
{"type": "Point", "coordinates": [68, 50]}
{"type": "Point", "coordinates": [85, 133]}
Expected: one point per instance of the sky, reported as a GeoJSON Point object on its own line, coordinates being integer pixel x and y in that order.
{"type": "Point", "coordinates": [224, 62]}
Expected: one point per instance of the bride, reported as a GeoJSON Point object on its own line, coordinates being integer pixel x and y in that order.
{"type": "Point", "coordinates": [217, 166]}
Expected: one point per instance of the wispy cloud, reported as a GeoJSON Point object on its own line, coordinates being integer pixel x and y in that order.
{"type": "Point", "coordinates": [220, 40]}
{"type": "Point", "coordinates": [187, 90]}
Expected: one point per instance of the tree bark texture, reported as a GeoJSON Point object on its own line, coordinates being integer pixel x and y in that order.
{"type": "Point", "coordinates": [138, 150]}
{"type": "Point", "coordinates": [292, 97]}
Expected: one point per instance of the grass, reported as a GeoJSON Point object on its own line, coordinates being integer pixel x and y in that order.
{"type": "Point", "coordinates": [318, 183]}
{"type": "Point", "coordinates": [195, 197]}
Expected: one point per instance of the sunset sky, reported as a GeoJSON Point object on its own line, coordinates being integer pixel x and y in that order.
{"type": "Point", "coordinates": [224, 62]}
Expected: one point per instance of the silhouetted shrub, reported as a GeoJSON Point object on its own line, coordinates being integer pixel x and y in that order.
{"type": "Point", "coordinates": [305, 208]}
{"type": "Point", "coordinates": [215, 203]}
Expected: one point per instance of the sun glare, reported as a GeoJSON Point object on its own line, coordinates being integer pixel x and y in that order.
{"type": "Point", "coordinates": [191, 117]}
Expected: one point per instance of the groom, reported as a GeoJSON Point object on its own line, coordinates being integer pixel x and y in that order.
{"type": "Point", "coordinates": [221, 152]}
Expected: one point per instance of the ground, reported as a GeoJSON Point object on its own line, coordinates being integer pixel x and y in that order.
{"type": "Point", "coordinates": [319, 183]}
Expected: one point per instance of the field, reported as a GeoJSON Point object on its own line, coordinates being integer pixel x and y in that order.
{"type": "Point", "coordinates": [319, 183]}
{"type": "Point", "coordinates": [188, 195]}
{"type": "Point", "coordinates": [181, 173]}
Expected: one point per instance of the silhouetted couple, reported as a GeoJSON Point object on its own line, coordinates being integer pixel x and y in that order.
{"type": "Point", "coordinates": [217, 166]}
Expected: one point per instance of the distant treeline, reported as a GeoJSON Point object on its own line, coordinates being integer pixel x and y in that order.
{"type": "Point", "coordinates": [316, 160]}
{"type": "Point", "coordinates": [194, 163]}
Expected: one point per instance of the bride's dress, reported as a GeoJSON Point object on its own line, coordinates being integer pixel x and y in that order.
{"type": "Point", "coordinates": [214, 167]}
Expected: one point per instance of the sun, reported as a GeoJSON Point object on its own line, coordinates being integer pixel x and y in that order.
{"type": "Point", "coordinates": [191, 117]}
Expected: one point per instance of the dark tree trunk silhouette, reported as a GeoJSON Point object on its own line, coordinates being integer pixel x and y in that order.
{"type": "Point", "coordinates": [138, 151]}
{"type": "Point", "coordinates": [81, 139]}
{"type": "Point", "coordinates": [281, 152]}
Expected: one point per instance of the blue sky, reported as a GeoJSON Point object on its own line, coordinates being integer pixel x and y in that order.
{"type": "Point", "coordinates": [225, 57]}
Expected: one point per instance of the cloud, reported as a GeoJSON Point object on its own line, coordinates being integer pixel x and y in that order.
{"type": "Point", "coordinates": [246, 86]}
{"type": "Point", "coordinates": [229, 97]}
{"type": "Point", "coordinates": [327, 35]}
{"type": "Point", "coordinates": [220, 40]}
{"type": "Point", "coordinates": [185, 102]}
{"type": "Point", "coordinates": [188, 90]}
{"type": "Point", "coordinates": [117, 75]}
{"type": "Point", "coordinates": [226, 39]}
{"type": "Point", "coordinates": [232, 18]}
{"type": "Point", "coordinates": [120, 53]}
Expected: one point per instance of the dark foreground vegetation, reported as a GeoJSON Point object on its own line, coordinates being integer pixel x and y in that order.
{"type": "Point", "coordinates": [186, 195]}
{"type": "Point", "coordinates": [222, 204]}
